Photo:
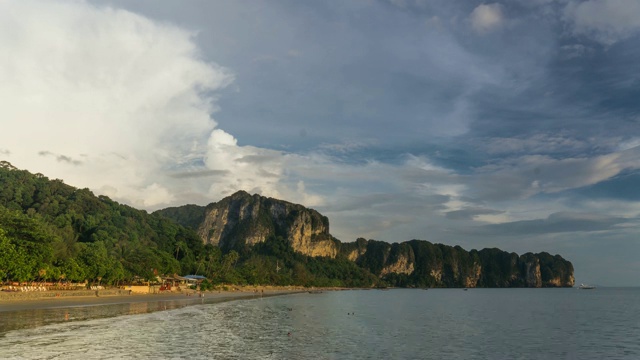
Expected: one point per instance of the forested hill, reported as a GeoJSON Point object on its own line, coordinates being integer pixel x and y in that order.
{"type": "Point", "coordinates": [54, 232]}
{"type": "Point", "coordinates": [241, 221]}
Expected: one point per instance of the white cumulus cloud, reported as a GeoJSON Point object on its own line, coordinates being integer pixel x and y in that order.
{"type": "Point", "coordinates": [110, 100]}
{"type": "Point", "coordinates": [100, 97]}
{"type": "Point", "coordinates": [254, 169]}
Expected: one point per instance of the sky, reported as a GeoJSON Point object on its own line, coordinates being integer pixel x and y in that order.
{"type": "Point", "coordinates": [511, 124]}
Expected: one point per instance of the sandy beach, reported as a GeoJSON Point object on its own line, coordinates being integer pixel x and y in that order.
{"type": "Point", "coordinates": [30, 301]}
{"type": "Point", "coordinates": [26, 303]}
{"type": "Point", "coordinates": [26, 310]}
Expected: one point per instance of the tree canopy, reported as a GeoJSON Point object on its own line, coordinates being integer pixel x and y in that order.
{"type": "Point", "coordinates": [52, 231]}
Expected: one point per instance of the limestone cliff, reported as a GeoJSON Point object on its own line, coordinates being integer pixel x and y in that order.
{"type": "Point", "coordinates": [402, 265]}
{"type": "Point", "coordinates": [423, 264]}
{"type": "Point", "coordinates": [242, 220]}
{"type": "Point", "coordinates": [531, 271]}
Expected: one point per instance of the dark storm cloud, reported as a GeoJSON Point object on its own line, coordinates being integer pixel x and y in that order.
{"type": "Point", "coordinates": [365, 67]}
{"type": "Point", "coordinates": [403, 71]}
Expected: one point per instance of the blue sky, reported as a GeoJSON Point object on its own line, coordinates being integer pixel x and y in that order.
{"type": "Point", "coordinates": [484, 124]}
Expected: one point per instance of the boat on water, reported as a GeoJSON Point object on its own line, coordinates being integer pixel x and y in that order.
{"type": "Point", "coordinates": [586, 287]}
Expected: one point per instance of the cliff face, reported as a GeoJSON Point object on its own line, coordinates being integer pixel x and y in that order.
{"type": "Point", "coordinates": [423, 264]}
{"type": "Point", "coordinates": [242, 220]}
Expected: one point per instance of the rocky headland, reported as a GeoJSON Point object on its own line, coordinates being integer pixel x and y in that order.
{"type": "Point", "coordinates": [241, 221]}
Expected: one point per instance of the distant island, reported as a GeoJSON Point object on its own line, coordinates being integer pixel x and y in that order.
{"type": "Point", "coordinates": [50, 231]}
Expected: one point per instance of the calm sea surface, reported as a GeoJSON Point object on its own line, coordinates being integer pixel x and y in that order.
{"type": "Point", "coordinates": [397, 324]}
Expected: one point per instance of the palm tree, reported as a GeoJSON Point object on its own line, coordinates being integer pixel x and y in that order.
{"type": "Point", "coordinates": [180, 246]}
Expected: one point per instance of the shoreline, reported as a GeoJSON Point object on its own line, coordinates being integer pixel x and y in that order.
{"type": "Point", "coordinates": [11, 302]}
{"type": "Point", "coordinates": [17, 314]}
{"type": "Point", "coordinates": [15, 305]}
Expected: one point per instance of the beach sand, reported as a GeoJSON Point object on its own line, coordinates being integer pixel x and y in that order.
{"type": "Point", "coordinates": [24, 311]}
{"type": "Point", "coordinates": [28, 303]}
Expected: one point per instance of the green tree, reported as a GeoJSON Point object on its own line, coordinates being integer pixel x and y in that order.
{"type": "Point", "coordinates": [8, 256]}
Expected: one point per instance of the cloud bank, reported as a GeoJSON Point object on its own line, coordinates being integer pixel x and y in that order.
{"type": "Point", "coordinates": [113, 101]}
{"type": "Point", "coordinates": [102, 97]}
{"type": "Point", "coordinates": [398, 120]}
{"type": "Point", "coordinates": [116, 102]}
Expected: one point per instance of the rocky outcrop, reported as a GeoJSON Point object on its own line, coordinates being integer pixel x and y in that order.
{"type": "Point", "coordinates": [401, 266]}
{"type": "Point", "coordinates": [354, 251]}
{"type": "Point", "coordinates": [531, 271]}
{"type": "Point", "coordinates": [471, 280]}
{"type": "Point", "coordinates": [423, 264]}
{"type": "Point", "coordinates": [242, 220]}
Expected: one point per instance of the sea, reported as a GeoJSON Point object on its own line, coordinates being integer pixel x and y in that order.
{"type": "Point", "coordinates": [602, 323]}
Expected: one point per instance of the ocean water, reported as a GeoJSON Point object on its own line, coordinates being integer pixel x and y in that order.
{"type": "Point", "coordinates": [396, 324]}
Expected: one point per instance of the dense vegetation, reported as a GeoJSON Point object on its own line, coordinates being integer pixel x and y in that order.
{"type": "Point", "coordinates": [276, 253]}
{"type": "Point", "coordinates": [54, 232]}
{"type": "Point", "coordinates": [59, 232]}
{"type": "Point", "coordinates": [50, 231]}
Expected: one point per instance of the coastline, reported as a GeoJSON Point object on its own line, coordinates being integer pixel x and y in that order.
{"type": "Point", "coordinates": [10, 302]}
{"type": "Point", "coordinates": [25, 312]}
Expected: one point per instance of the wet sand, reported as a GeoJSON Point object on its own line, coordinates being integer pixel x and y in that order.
{"type": "Point", "coordinates": [76, 301]}
{"type": "Point", "coordinates": [22, 313]}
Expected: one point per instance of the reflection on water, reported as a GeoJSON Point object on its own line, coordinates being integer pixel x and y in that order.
{"type": "Point", "coordinates": [33, 318]}
{"type": "Point", "coordinates": [139, 308]}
